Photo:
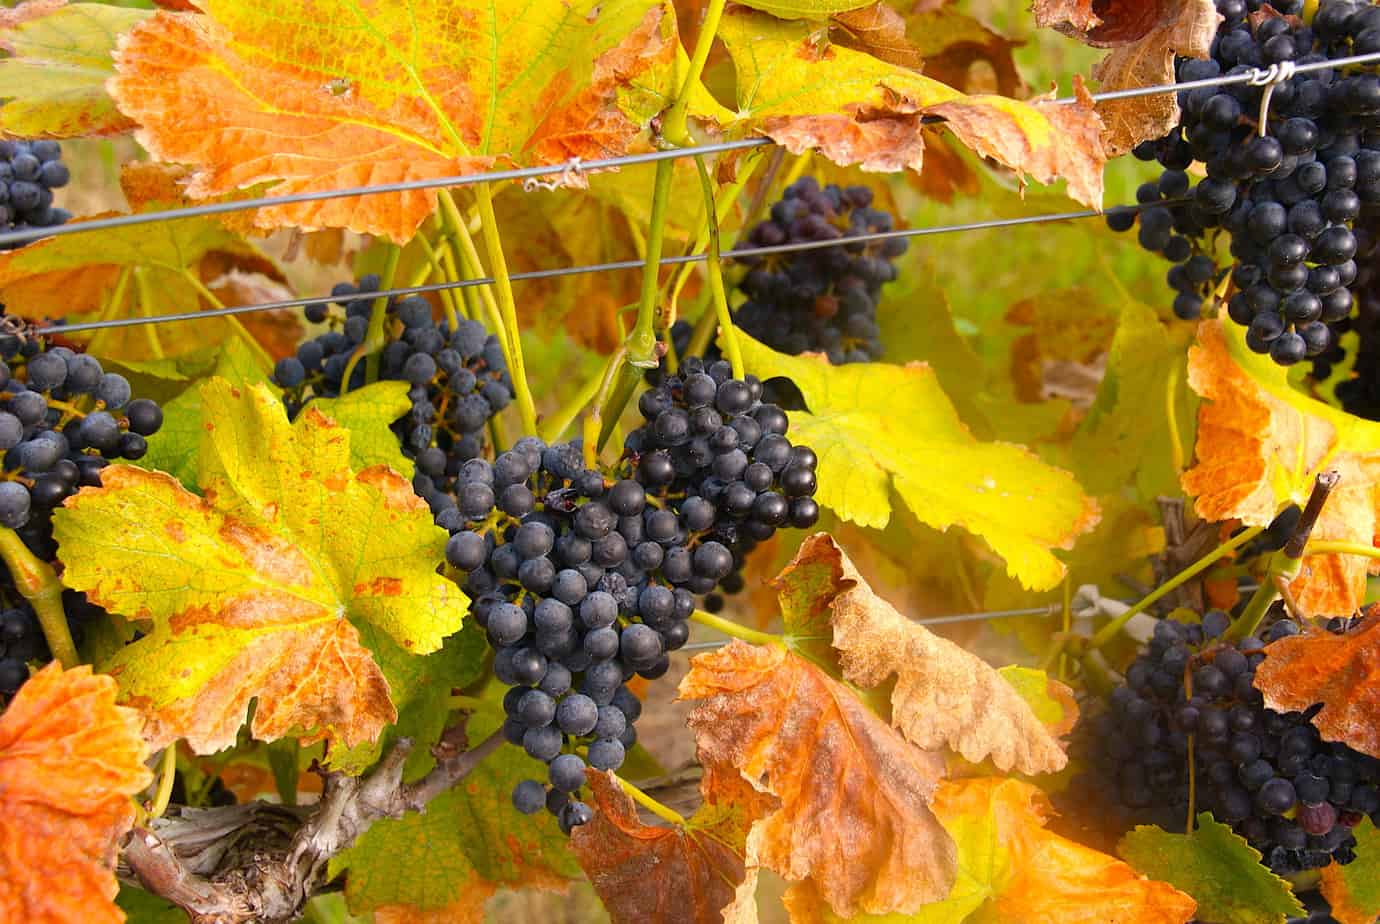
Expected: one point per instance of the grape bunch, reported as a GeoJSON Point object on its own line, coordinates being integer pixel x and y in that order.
{"type": "Point", "coordinates": [822, 300]}
{"type": "Point", "coordinates": [1360, 393]}
{"type": "Point", "coordinates": [1286, 193]}
{"type": "Point", "coordinates": [458, 379]}
{"type": "Point", "coordinates": [62, 419]}
{"type": "Point", "coordinates": [29, 172]}
{"type": "Point", "coordinates": [583, 579]}
{"type": "Point", "coordinates": [1269, 775]}
{"type": "Point", "coordinates": [718, 458]}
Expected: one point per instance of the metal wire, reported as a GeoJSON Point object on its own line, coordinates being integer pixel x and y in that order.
{"type": "Point", "coordinates": [580, 166]}
{"type": "Point", "coordinates": [595, 268]}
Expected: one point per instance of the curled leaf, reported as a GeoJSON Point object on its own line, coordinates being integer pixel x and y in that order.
{"type": "Point", "coordinates": [942, 696]}
{"type": "Point", "coordinates": [850, 811]}
{"type": "Point", "coordinates": [663, 875]}
{"type": "Point", "coordinates": [1338, 671]}
{"type": "Point", "coordinates": [69, 761]}
{"type": "Point", "coordinates": [1260, 446]}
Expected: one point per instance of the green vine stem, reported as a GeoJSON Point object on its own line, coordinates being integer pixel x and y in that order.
{"type": "Point", "coordinates": [449, 303]}
{"type": "Point", "coordinates": [664, 812]}
{"type": "Point", "coordinates": [553, 427]}
{"type": "Point", "coordinates": [1109, 631]}
{"type": "Point", "coordinates": [145, 290]}
{"type": "Point", "coordinates": [378, 314]}
{"type": "Point", "coordinates": [675, 127]}
{"type": "Point", "coordinates": [727, 332]}
{"type": "Point", "coordinates": [493, 242]}
{"type": "Point", "coordinates": [38, 583]}
{"type": "Point", "coordinates": [733, 630]}
{"type": "Point", "coordinates": [1326, 547]}
{"type": "Point", "coordinates": [167, 774]}
{"type": "Point", "coordinates": [593, 427]}
{"type": "Point", "coordinates": [111, 308]}
{"type": "Point", "coordinates": [640, 344]}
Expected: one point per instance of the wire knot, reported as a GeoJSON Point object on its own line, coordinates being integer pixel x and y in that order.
{"type": "Point", "coordinates": [1269, 78]}
{"type": "Point", "coordinates": [572, 171]}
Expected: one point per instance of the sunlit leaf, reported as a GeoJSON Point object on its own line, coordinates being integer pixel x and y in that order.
{"type": "Point", "coordinates": [1353, 890]}
{"type": "Point", "coordinates": [269, 586]}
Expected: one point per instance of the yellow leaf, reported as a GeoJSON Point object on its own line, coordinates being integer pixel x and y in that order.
{"type": "Point", "coordinates": [270, 586]}
{"type": "Point", "coordinates": [878, 428]}
{"type": "Point", "coordinates": [314, 95]}
{"type": "Point", "coordinates": [53, 82]}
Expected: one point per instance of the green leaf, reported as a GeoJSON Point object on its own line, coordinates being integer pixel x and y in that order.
{"type": "Point", "coordinates": [467, 836]}
{"type": "Point", "coordinates": [267, 587]}
{"type": "Point", "coordinates": [368, 413]}
{"type": "Point", "coordinates": [1035, 688]}
{"type": "Point", "coordinates": [1217, 867]}
{"type": "Point", "coordinates": [53, 82]}
{"type": "Point", "coordinates": [173, 449]}
{"type": "Point", "coordinates": [146, 908]}
{"type": "Point", "coordinates": [880, 428]}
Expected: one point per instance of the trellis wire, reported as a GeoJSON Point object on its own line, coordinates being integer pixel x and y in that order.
{"type": "Point", "coordinates": [593, 268]}
{"type": "Point", "coordinates": [577, 166]}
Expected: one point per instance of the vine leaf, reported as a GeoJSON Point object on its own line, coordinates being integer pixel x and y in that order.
{"type": "Point", "coordinates": [850, 797]}
{"type": "Point", "coordinates": [467, 843]}
{"type": "Point", "coordinates": [806, 9]}
{"type": "Point", "coordinates": [878, 427]}
{"type": "Point", "coordinates": [1338, 671]}
{"type": "Point", "coordinates": [1052, 702]}
{"type": "Point", "coordinates": [1217, 867]}
{"type": "Point", "coordinates": [53, 81]}
{"type": "Point", "coordinates": [1261, 444]}
{"type": "Point", "coordinates": [65, 277]}
{"type": "Point", "coordinates": [942, 696]}
{"type": "Point", "coordinates": [69, 761]}
{"type": "Point", "coordinates": [806, 94]}
{"type": "Point", "coordinates": [691, 874]}
{"type": "Point", "coordinates": [1013, 871]}
{"type": "Point", "coordinates": [1353, 890]}
{"type": "Point", "coordinates": [269, 586]}
{"type": "Point", "coordinates": [1183, 30]}
{"type": "Point", "coordinates": [327, 94]}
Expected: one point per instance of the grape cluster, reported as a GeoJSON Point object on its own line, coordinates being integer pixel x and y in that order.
{"type": "Point", "coordinates": [1269, 775]}
{"type": "Point", "coordinates": [1286, 192]}
{"type": "Point", "coordinates": [458, 379]}
{"type": "Point", "coordinates": [822, 300]}
{"type": "Point", "coordinates": [29, 172]}
{"type": "Point", "coordinates": [718, 459]}
{"type": "Point", "coordinates": [583, 579]}
{"type": "Point", "coordinates": [62, 419]}
{"type": "Point", "coordinates": [1360, 394]}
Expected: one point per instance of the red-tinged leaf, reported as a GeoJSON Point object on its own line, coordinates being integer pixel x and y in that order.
{"type": "Point", "coordinates": [1340, 671]}
{"type": "Point", "coordinates": [690, 874]}
{"type": "Point", "coordinates": [1353, 890]}
{"type": "Point", "coordinates": [850, 810]}
{"type": "Point", "coordinates": [69, 761]}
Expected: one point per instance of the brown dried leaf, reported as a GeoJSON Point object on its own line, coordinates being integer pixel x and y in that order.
{"type": "Point", "coordinates": [664, 875]}
{"type": "Point", "coordinates": [69, 761]}
{"type": "Point", "coordinates": [1340, 671]}
{"type": "Point", "coordinates": [943, 696]}
{"type": "Point", "coordinates": [1185, 30]}
{"type": "Point", "coordinates": [851, 813]}
{"type": "Point", "coordinates": [878, 30]}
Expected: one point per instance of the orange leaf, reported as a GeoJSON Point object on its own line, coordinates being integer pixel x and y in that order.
{"type": "Point", "coordinates": [1260, 445]}
{"type": "Point", "coordinates": [316, 95]}
{"type": "Point", "coordinates": [467, 910]}
{"type": "Point", "coordinates": [878, 30]}
{"type": "Point", "coordinates": [1340, 671]}
{"type": "Point", "coordinates": [69, 761]}
{"type": "Point", "coordinates": [661, 875]}
{"type": "Point", "coordinates": [1047, 877]}
{"type": "Point", "coordinates": [1185, 29]}
{"type": "Point", "coordinates": [851, 809]}
{"type": "Point", "coordinates": [943, 695]}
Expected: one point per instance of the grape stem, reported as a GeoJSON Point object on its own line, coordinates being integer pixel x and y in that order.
{"type": "Point", "coordinates": [733, 630]}
{"type": "Point", "coordinates": [507, 307]}
{"type": "Point", "coordinates": [38, 583]}
{"type": "Point", "coordinates": [727, 332]}
{"type": "Point", "coordinates": [449, 302]}
{"type": "Point", "coordinates": [555, 425]}
{"type": "Point", "coordinates": [660, 810]}
{"type": "Point", "coordinates": [593, 425]}
{"type": "Point", "coordinates": [465, 255]}
{"type": "Point", "coordinates": [165, 784]}
{"type": "Point", "coordinates": [1109, 631]}
{"type": "Point", "coordinates": [145, 290]}
{"type": "Point", "coordinates": [378, 314]}
{"type": "Point", "coordinates": [675, 127]}
{"type": "Point", "coordinates": [1328, 547]}
{"type": "Point", "coordinates": [214, 301]}
{"type": "Point", "coordinates": [640, 344]}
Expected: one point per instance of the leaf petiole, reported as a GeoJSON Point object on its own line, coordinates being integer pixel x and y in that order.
{"type": "Point", "coordinates": [660, 810]}
{"type": "Point", "coordinates": [378, 314]}
{"type": "Point", "coordinates": [168, 774]}
{"type": "Point", "coordinates": [727, 332]}
{"type": "Point", "coordinates": [493, 242]}
{"type": "Point", "coordinates": [732, 629]}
